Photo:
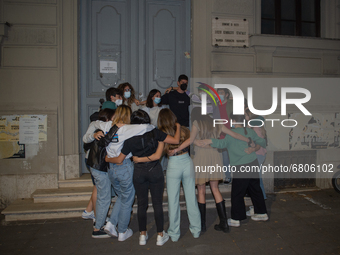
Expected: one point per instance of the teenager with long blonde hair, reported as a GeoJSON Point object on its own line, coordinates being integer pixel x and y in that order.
{"type": "Point", "coordinates": [120, 176]}
{"type": "Point", "coordinates": [148, 175]}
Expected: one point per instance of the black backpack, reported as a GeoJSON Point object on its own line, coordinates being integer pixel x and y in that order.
{"type": "Point", "coordinates": [96, 158]}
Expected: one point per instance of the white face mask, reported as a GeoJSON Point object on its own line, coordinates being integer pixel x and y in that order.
{"type": "Point", "coordinates": [119, 102]}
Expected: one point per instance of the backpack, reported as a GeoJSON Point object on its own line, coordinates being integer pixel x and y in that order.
{"type": "Point", "coordinates": [96, 158]}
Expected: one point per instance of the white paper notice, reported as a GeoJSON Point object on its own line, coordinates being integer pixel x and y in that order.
{"type": "Point", "coordinates": [230, 32]}
{"type": "Point", "coordinates": [29, 132]}
{"type": "Point", "coordinates": [108, 66]}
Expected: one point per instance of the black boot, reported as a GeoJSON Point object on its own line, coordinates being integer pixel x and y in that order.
{"type": "Point", "coordinates": [223, 226]}
{"type": "Point", "coordinates": [202, 208]}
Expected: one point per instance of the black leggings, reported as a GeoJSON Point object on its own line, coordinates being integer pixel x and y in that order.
{"type": "Point", "coordinates": [151, 176]}
{"type": "Point", "coordinates": [246, 183]}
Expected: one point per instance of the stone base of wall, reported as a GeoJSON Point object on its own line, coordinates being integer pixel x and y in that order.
{"type": "Point", "coordinates": [69, 167]}
{"type": "Point", "coordinates": [17, 186]}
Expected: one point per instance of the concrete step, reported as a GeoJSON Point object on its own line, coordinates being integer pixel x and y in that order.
{"type": "Point", "coordinates": [71, 201]}
{"type": "Point", "coordinates": [83, 181]}
{"type": "Point", "coordinates": [84, 194]}
{"type": "Point", "coordinates": [26, 209]}
{"type": "Point", "coordinates": [62, 195]}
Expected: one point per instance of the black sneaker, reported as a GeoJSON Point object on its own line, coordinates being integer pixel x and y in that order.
{"type": "Point", "coordinates": [227, 181]}
{"type": "Point", "coordinates": [100, 234]}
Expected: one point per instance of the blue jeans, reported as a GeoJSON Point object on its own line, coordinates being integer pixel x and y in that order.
{"type": "Point", "coordinates": [261, 159]}
{"type": "Point", "coordinates": [226, 163]}
{"type": "Point", "coordinates": [122, 182]}
{"type": "Point", "coordinates": [103, 185]}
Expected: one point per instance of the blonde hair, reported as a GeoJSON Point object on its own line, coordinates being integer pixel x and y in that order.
{"type": "Point", "coordinates": [122, 115]}
{"type": "Point", "coordinates": [167, 123]}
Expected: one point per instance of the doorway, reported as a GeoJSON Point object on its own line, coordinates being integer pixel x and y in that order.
{"type": "Point", "coordinates": [144, 41]}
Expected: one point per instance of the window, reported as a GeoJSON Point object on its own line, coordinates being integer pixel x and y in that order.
{"type": "Point", "coordinates": [290, 17]}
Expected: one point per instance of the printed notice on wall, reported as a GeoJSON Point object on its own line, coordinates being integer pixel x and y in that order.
{"type": "Point", "coordinates": [13, 128]}
{"type": "Point", "coordinates": [108, 66]}
{"type": "Point", "coordinates": [230, 32]}
{"type": "Point", "coordinates": [29, 133]}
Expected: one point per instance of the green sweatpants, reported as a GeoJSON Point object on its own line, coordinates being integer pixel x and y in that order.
{"type": "Point", "coordinates": [181, 169]}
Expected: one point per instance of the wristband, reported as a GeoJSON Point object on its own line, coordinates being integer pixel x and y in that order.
{"type": "Point", "coordinates": [249, 142]}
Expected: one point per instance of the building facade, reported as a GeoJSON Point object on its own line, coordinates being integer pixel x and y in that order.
{"type": "Point", "coordinates": [42, 71]}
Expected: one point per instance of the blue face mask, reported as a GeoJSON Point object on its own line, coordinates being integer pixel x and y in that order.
{"type": "Point", "coordinates": [157, 100]}
{"type": "Point", "coordinates": [222, 97]}
{"type": "Point", "coordinates": [127, 94]}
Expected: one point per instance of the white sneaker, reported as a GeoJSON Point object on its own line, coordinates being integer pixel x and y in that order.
{"type": "Point", "coordinates": [260, 217]}
{"type": "Point", "coordinates": [143, 239]}
{"type": "Point", "coordinates": [110, 229]}
{"type": "Point", "coordinates": [123, 236]}
{"type": "Point", "coordinates": [233, 223]}
{"type": "Point", "coordinates": [87, 215]}
{"type": "Point", "coordinates": [250, 212]}
{"type": "Point", "coordinates": [162, 239]}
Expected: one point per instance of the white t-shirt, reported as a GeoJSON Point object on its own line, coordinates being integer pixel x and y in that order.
{"type": "Point", "coordinates": [134, 107]}
{"type": "Point", "coordinates": [153, 113]}
{"type": "Point", "coordinates": [123, 133]}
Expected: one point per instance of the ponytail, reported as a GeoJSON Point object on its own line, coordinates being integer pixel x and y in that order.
{"type": "Point", "coordinates": [239, 118]}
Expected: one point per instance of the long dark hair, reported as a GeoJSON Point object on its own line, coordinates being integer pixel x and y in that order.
{"type": "Point", "coordinates": [132, 98]}
{"type": "Point", "coordinates": [149, 101]}
{"type": "Point", "coordinates": [106, 114]}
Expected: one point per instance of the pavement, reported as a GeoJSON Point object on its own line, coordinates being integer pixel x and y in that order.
{"type": "Point", "coordinates": [304, 222]}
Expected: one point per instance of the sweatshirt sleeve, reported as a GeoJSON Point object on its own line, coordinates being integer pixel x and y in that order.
{"type": "Point", "coordinates": [94, 125]}
{"type": "Point", "coordinates": [258, 140]}
{"type": "Point", "coordinates": [220, 143]}
{"type": "Point", "coordinates": [88, 137]}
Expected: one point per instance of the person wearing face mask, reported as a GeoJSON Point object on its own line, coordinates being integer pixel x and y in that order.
{"type": "Point", "coordinates": [128, 96]}
{"type": "Point", "coordinates": [113, 100]}
{"type": "Point", "coordinates": [153, 105]}
{"type": "Point", "coordinates": [179, 101]}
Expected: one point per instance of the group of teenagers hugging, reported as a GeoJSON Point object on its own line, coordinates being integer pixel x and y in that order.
{"type": "Point", "coordinates": [139, 139]}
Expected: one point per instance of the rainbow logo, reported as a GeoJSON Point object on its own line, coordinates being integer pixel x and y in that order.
{"type": "Point", "coordinates": [207, 91]}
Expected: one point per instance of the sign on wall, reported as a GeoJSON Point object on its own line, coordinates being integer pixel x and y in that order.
{"type": "Point", "coordinates": [26, 129]}
{"type": "Point", "coordinates": [230, 32]}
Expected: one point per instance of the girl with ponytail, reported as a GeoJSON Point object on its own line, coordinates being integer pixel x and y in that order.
{"type": "Point", "coordinates": [245, 171]}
